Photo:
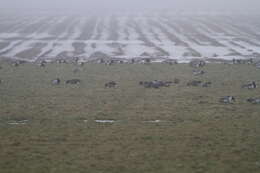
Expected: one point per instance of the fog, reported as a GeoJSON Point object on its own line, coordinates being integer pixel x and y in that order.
{"type": "Point", "coordinates": [232, 5]}
{"type": "Point", "coordinates": [178, 29]}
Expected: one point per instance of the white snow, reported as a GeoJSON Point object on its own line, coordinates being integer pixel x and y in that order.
{"type": "Point", "coordinates": [133, 47]}
{"type": "Point", "coordinates": [21, 122]}
{"type": "Point", "coordinates": [105, 121]}
{"type": "Point", "coordinates": [153, 121]}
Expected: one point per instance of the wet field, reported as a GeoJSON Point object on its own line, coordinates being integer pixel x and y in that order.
{"type": "Point", "coordinates": [89, 128]}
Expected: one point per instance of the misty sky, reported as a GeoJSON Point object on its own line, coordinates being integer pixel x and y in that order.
{"type": "Point", "coordinates": [134, 4]}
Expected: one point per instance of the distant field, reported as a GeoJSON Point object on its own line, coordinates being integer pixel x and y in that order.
{"type": "Point", "coordinates": [127, 35]}
{"type": "Point", "coordinates": [47, 128]}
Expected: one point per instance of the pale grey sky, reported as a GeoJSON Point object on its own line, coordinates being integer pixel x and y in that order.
{"type": "Point", "coordinates": [134, 4]}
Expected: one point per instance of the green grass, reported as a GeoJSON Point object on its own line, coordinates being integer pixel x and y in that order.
{"type": "Point", "coordinates": [197, 133]}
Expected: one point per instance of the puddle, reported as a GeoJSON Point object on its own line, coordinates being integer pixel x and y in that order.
{"type": "Point", "coordinates": [21, 122]}
{"type": "Point", "coordinates": [105, 121]}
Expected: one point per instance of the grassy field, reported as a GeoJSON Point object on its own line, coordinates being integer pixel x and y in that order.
{"type": "Point", "coordinates": [197, 134]}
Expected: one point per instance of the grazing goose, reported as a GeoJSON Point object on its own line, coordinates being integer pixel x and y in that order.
{"type": "Point", "coordinates": [73, 81]}
{"type": "Point", "coordinates": [227, 99]}
{"type": "Point", "coordinates": [155, 84]}
{"type": "Point", "coordinates": [251, 85]}
{"type": "Point", "coordinates": [197, 63]}
{"type": "Point", "coordinates": [194, 83]}
{"type": "Point", "coordinates": [111, 84]}
{"type": "Point", "coordinates": [56, 81]}
{"type": "Point", "coordinates": [207, 84]}
{"type": "Point", "coordinates": [254, 100]}
{"type": "Point", "coordinates": [198, 72]}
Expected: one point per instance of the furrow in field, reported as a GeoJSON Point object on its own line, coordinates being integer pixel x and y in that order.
{"type": "Point", "coordinates": [10, 48]}
{"type": "Point", "coordinates": [70, 30]}
{"type": "Point", "coordinates": [99, 29]}
{"type": "Point", "coordinates": [88, 29]}
{"type": "Point", "coordinates": [244, 29]}
{"type": "Point", "coordinates": [122, 28]}
{"type": "Point", "coordinates": [194, 35]}
{"type": "Point", "coordinates": [183, 48]}
{"type": "Point", "coordinates": [4, 45]}
{"type": "Point", "coordinates": [96, 28]}
{"type": "Point", "coordinates": [31, 52]}
{"type": "Point", "coordinates": [214, 27]}
{"type": "Point", "coordinates": [60, 27]}
{"type": "Point", "coordinates": [170, 35]}
{"type": "Point", "coordinates": [11, 25]}
{"type": "Point", "coordinates": [141, 28]}
{"type": "Point", "coordinates": [113, 29]}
